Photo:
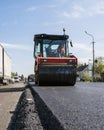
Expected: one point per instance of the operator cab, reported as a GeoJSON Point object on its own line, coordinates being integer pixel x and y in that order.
{"type": "Point", "coordinates": [51, 45]}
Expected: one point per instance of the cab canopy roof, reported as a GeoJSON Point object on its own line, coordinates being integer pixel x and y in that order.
{"type": "Point", "coordinates": [50, 36]}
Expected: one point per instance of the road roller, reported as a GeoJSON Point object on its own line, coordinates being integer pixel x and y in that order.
{"type": "Point", "coordinates": [54, 64]}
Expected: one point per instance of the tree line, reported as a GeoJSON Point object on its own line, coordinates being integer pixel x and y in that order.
{"type": "Point", "coordinates": [98, 71]}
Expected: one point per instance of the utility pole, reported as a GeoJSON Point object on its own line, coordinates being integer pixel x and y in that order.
{"type": "Point", "coordinates": [93, 53]}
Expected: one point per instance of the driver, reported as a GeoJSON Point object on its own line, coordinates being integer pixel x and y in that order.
{"type": "Point", "coordinates": [61, 50]}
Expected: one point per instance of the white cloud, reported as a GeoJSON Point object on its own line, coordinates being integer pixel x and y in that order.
{"type": "Point", "coordinates": [99, 51]}
{"type": "Point", "coordinates": [15, 46]}
{"type": "Point", "coordinates": [31, 9]}
{"type": "Point", "coordinates": [82, 47]}
{"type": "Point", "coordinates": [41, 7]}
{"type": "Point", "coordinates": [76, 12]}
{"type": "Point", "coordinates": [73, 14]}
{"type": "Point", "coordinates": [79, 10]}
{"type": "Point", "coordinates": [83, 60]}
{"type": "Point", "coordinates": [97, 9]}
{"type": "Point", "coordinates": [66, 14]}
{"type": "Point", "coordinates": [82, 51]}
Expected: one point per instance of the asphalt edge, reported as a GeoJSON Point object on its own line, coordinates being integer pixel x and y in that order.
{"type": "Point", "coordinates": [48, 120]}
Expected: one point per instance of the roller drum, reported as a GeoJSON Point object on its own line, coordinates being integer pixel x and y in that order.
{"type": "Point", "coordinates": [57, 75]}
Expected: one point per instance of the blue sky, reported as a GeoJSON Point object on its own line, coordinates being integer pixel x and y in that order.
{"type": "Point", "coordinates": [21, 19]}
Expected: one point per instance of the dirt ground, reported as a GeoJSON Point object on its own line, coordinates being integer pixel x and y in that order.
{"type": "Point", "coordinates": [9, 96]}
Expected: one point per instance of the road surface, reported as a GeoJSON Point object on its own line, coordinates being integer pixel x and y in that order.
{"type": "Point", "coordinates": [9, 96]}
{"type": "Point", "coordinates": [77, 108]}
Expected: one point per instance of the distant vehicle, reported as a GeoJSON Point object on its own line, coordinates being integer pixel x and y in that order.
{"type": "Point", "coordinates": [16, 79]}
{"type": "Point", "coordinates": [5, 66]}
{"type": "Point", "coordinates": [19, 78]}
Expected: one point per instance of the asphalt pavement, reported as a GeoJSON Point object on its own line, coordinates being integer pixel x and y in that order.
{"type": "Point", "coordinates": [77, 108]}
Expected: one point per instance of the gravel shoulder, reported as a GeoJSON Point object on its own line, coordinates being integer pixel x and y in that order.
{"type": "Point", "coordinates": [32, 113]}
{"type": "Point", "coordinates": [25, 116]}
{"type": "Point", "coordinates": [21, 108]}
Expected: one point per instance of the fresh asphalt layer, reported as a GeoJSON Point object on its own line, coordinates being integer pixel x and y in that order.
{"type": "Point", "coordinates": [77, 108]}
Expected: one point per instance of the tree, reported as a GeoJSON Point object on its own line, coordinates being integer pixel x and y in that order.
{"type": "Point", "coordinates": [99, 65]}
{"type": "Point", "coordinates": [14, 74]}
{"type": "Point", "coordinates": [85, 76]}
{"type": "Point", "coordinates": [99, 69]}
{"type": "Point", "coordinates": [22, 77]}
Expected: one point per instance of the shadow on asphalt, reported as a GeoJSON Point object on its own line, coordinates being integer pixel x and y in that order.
{"type": "Point", "coordinates": [3, 90]}
{"type": "Point", "coordinates": [48, 120]}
